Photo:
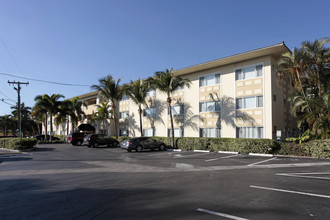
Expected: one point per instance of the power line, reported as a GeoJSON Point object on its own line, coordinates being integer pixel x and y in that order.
{"type": "Point", "coordinates": [12, 57]}
{"type": "Point", "coordinates": [6, 96]}
{"type": "Point", "coordinates": [44, 81]}
{"type": "Point", "coordinates": [3, 100]}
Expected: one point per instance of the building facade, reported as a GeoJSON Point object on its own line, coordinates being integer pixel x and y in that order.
{"type": "Point", "coordinates": [236, 96]}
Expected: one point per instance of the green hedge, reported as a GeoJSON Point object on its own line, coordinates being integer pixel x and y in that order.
{"type": "Point", "coordinates": [315, 148]}
{"type": "Point", "coordinates": [240, 145]}
{"type": "Point", "coordinates": [14, 143]}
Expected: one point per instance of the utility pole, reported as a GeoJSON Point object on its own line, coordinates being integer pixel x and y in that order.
{"type": "Point", "coordinates": [18, 89]}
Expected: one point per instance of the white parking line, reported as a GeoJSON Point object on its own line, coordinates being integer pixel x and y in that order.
{"type": "Point", "coordinates": [302, 175]}
{"type": "Point", "coordinates": [221, 214]}
{"type": "Point", "coordinates": [261, 161]}
{"type": "Point", "coordinates": [191, 155]}
{"type": "Point", "coordinates": [290, 191]}
{"type": "Point", "coordinates": [221, 158]}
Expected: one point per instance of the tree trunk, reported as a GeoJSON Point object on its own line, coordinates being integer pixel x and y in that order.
{"type": "Point", "coordinates": [51, 128]}
{"type": "Point", "coordinates": [302, 89]}
{"type": "Point", "coordinates": [140, 113]}
{"type": "Point", "coordinates": [46, 127]}
{"type": "Point", "coordinates": [169, 101]}
{"type": "Point", "coordinates": [115, 117]}
{"type": "Point", "coordinates": [67, 127]}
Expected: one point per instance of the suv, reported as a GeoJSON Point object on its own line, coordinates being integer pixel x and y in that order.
{"type": "Point", "coordinates": [76, 138]}
{"type": "Point", "coordinates": [95, 140]}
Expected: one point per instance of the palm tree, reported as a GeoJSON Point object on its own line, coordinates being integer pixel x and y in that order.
{"type": "Point", "coordinates": [319, 119]}
{"type": "Point", "coordinates": [6, 122]}
{"type": "Point", "coordinates": [109, 89]}
{"type": "Point", "coordinates": [71, 108]}
{"type": "Point", "coordinates": [39, 114]}
{"type": "Point", "coordinates": [318, 57]}
{"type": "Point", "coordinates": [137, 91]}
{"type": "Point", "coordinates": [292, 66]}
{"type": "Point", "coordinates": [51, 104]}
{"type": "Point", "coordinates": [103, 113]}
{"type": "Point", "coordinates": [167, 82]}
{"type": "Point", "coordinates": [25, 111]}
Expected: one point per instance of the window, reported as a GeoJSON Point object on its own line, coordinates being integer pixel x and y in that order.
{"type": "Point", "coordinates": [149, 112]}
{"type": "Point", "coordinates": [123, 115]}
{"type": "Point", "coordinates": [209, 80]}
{"type": "Point", "coordinates": [249, 102]}
{"type": "Point", "coordinates": [123, 132]}
{"type": "Point", "coordinates": [210, 132]}
{"type": "Point", "coordinates": [209, 106]}
{"type": "Point", "coordinates": [249, 72]}
{"type": "Point", "coordinates": [178, 132]}
{"type": "Point", "coordinates": [177, 110]}
{"type": "Point", "coordinates": [249, 132]}
{"type": "Point", "coordinates": [149, 132]}
{"type": "Point", "coordinates": [151, 92]}
{"type": "Point", "coordinates": [125, 97]}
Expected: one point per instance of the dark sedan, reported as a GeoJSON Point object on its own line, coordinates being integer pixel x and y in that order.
{"type": "Point", "coordinates": [138, 144]}
{"type": "Point", "coordinates": [95, 140]}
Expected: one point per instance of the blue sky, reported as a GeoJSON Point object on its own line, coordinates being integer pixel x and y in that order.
{"type": "Point", "coordinates": [81, 41]}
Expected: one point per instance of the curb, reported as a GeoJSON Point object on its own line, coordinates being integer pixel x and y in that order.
{"type": "Point", "coordinates": [261, 155]}
{"type": "Point", "coordinates": [202, 151]}
{"type": "Point", "coordinates": [227, 152]}
{"type": "Point", "coordinates": [177, 150]}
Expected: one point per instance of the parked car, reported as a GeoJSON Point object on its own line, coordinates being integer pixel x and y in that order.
{"type": "Point", "coordinates": [95, 140]}
{"type": "Point", "coordinates": [140, 143]}
{"type": "Point", "coordinates": [76, 138]}
{"type": "Point", "coordinates": [41, 137]}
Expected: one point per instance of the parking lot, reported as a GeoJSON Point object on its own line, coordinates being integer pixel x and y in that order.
{"type": "Point", "coordinates": [108, 183]}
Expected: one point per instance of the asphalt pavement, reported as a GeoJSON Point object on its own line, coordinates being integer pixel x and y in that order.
{"type": "Point", "coordinates": [62, 181]}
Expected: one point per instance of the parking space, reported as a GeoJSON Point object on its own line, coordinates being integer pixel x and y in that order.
{"type": "Point", "coordinates": [165, 184]}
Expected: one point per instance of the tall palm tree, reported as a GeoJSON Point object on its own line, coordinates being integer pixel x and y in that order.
{"type": "Point", "coordinates": [109, 89]}
{"type": "Point", "coordinates": [167, 82]}
{"type": "Point", "coordinates": [318, 57]}
{"type": "Point", "coordinates": [6, 122]}
{"type": "Point", "coordinates": [71, 108]}
{"type": "Point", "coordinates": [25, 111]}
{"type": "Point", "coordinates": [103, 113]}
{"type": "Point", "coordinates": [292, 66]}
{"type": "Point", "coordinates": [137, 91]}
{"type": "Point", "coordinates": [39, 114]}
{"type": "Point", "coordinates": [51, 104]}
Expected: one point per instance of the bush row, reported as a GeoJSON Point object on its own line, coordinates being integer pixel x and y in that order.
{"type": "Point", "coordinates": [315, 148]}
{"type": "Point", "coordinates": [15, 143]}
{"type": "Point", "coordinates": [240, 145]}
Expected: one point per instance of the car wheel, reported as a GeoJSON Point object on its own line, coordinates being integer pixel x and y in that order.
{"type": "Point", "coordinates": [115, 144]}
{"type": "Point", "coordinates": [79, 143]}
{"type": "Point", "coordinates": [139, 148]}
{"type": "Point", "coordinates": [95, 144]}
{"type": "Point", "coordinates": [162, 147]}
{"type": "Point", "coordinates": [129, 150]}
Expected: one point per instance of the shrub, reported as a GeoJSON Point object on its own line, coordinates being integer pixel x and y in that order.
{"type": "Point", "coordinates": [240, 145]}
{"type": "Point", "coordinates": [293, 149]}
{"type": "Point", "coordinates": [315, 148]}
{"type": "Point", "coordinates": [15, 143]}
